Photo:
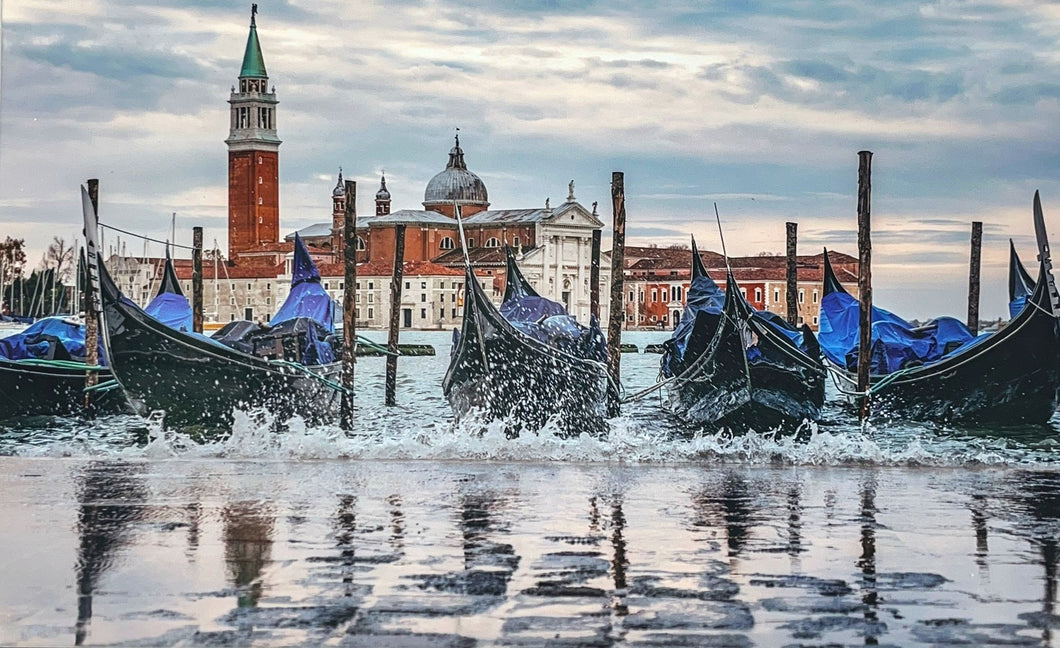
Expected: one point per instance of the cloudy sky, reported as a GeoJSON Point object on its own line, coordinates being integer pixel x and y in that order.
{"type": "Point", "coordinates": [759, 106]}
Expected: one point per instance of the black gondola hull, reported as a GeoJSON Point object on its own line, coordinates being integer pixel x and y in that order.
{"type": "Point", "coordinates": [1010, 378]}
{"type": "Point", "coordinates": [199, 382]}
{"type": "Point", "coordinates": [36, 390]}
{"type": "Point", "coordinates": [721, 389]}
{"type": "Point", "coordinates": [1012, 382]}
{"type": "Point", "coordinates": [497, 373]}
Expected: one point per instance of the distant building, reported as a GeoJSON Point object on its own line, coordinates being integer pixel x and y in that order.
{"type": "Point", "coordinates": [657, 281]}
{"type": "Point", "coordinates": [553, 245]}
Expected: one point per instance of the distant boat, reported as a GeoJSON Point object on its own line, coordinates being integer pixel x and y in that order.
{"type": "Point", "coordinates": [731, 366]}
{"type": "Point", "coordinates": [941, 371]}
{"type": "Point", "coordinates": [527, 363]}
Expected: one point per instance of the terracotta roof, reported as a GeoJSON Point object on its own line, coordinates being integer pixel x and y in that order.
{"type": "Point", "coordinates": [479, 256]}
{"type": "Point", "coordinates": [386, 269]}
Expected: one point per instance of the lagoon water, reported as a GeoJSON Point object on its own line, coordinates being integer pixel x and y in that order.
{"type": "Point", "coordinates": [415, 532]}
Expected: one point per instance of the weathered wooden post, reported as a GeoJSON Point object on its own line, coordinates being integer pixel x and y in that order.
{"type": "Point", "coordinates": [594, 276]}
{"type": "Point", "coordinates": [196, 279]}
{"type": "Point", "coordinates": [791, 292]}
{"type": "Point", "coordinates": [395, 313]}
{"type": "Point", "coordinates": [973, 277]}
{"type": "Point", "coordinates": [864, 278]}
{"type": "Point", "coordinates": [349, 305]}
{"type": "Point", "coordinates": [91, 301]}
{"type": "Point", "coordinates": [617, 313]}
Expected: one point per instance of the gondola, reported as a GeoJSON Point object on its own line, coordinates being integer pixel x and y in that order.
{"type": "Point", "coordinates": [43, 387]}
{"type": "Point", "coordinates": [198, 381]}
{"type": "Point", "coordinates": [730, 366]}
{"type": "Point", "coordinates": [43, 368]}
{"type": "Point", "coordinates": [528, 363]}
{"type": "Point", "coordinates": [1010, 377]}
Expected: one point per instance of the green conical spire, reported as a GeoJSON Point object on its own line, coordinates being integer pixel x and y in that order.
{"type": "Point", "coordinates": [253, 61]}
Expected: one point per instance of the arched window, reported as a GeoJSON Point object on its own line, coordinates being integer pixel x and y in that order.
{"type": "Point", "coordinates": [360, 244]}
{"type": "Point", "coordinates": [493, 242]}
{"type": "Point", "coordinates": [447, 243]}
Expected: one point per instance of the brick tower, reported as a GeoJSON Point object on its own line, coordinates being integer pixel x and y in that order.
{"type": "Point", "coordinates": [253, 156]}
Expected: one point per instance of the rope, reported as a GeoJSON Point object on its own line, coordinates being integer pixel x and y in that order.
{"type": "Point", "coordinates": [644, 392]}
{"type": "Point", "coordinates": [324, 380]}
{"type": "Point", "coordinates": [375, 347]}
{"type": "Point", "coordinates": [104, 386]}
{"type": "Point", "coordinates": [146, 238]}
{"type": "Point", "coordinates": [59, 364]}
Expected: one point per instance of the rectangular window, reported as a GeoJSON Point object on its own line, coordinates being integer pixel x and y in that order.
{"type": "Point", "coordinates": [776, 295]}
{"type": "Point", "coordinates": [423, 313]}
{"type": "Point", "coordinates": [326, 286]}
{"type": "Point", "coordinates": [371, 285]}
{"type": "Point", "coordinates": [249, 286]}
{"type": "Point", "coordinates": [758, 294]}
{"type": "Point", "coordinates": [631, 296]}
{"type": "Point", "coordinates": [442, 286]}
{"type": "Point", "coordinates": [454, 313]}
{"type": "Point", "coordinates": [423, 285]}
{"type": "Point", "coordinates": [802, 295]}
{"type": "Point", "coordinates": [371, 313]}
{"type": "Point", "coordinates": [665, 295]}
{"type": "Point", "coordinates": [233, 302]}
{"type": "Point", "coordinates": [515, 241]}
{"type": "Point", "coordinates": [357, 313]}
{"type": "Point", "coordinates": [268, 301]}
{"type": "Point", "coordinates": [654, 295]}
{"type": "Point", "coordinates": [268, 286]}
{"type": "Point", "coordinates": [441, 314]}
{"type": "Point", "coordinates": [423, 297]}
{"type": "Point", "coordinates": [358, 285]}
{"type": "Point", "coordinates": [815, 297]}
{"type": "Point", "coordinates": [406, 285]}
{"type": "Point", "coordinates": [342, 285]}
{"type": "Point", "coordinates": [371, 298]}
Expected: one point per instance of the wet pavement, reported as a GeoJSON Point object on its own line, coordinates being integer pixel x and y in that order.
{"type": "Point", "coordinates": [432, 553]}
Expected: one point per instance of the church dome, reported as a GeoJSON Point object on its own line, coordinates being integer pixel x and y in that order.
{"type": "Point", "coordinates": [382, 194]}
{"type": "Point", "coordinates": [340, 188]}
{"type": "Point", "coordinates": [455, 184]}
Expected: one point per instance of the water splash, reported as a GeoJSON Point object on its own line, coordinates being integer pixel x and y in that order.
{"type": "Point", "coordinates": [635, 439]}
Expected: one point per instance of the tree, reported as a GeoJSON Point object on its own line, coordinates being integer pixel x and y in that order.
{"type": "Point", "coordinates": [12, 259]}
{"type": "Point", "coordinates": [60, 257]}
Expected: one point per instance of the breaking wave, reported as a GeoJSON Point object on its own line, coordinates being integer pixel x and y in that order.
{"type": "Point", "coordinates": [422, 429]}
{"type": "Point", "coordinates": [632, 439]}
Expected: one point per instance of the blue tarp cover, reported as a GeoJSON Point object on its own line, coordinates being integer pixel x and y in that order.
{"type": "Point", "coordinates": [548, 321]}
{"type": "Point", "coordinates": [51, 338]}
{"type": "Point", "coordinates": [307, 299]}
{"type": "Point", "coordinates": [896, 344]}
{"type": "Point", "coordinates": [171, 309]}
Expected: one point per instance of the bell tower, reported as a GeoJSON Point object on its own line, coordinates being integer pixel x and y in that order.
{"type": "Point", "coordinates": [253, 155]}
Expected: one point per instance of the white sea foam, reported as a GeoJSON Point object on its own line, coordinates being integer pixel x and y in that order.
{"type": "Point", "coordinates": [630, 439]}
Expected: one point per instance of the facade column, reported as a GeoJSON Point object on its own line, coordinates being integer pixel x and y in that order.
{"type": "Point", "coordinates": [559, 268]}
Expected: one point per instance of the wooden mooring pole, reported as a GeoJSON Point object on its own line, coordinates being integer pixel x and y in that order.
{"type": "Point", "coordinates": [196, 279]}
{"type": "Point", "coordinates": [864, 279]}
{"type": "Point", "coordinates": [973, 277]}
{"type": "Point", "coordinates": [791, 297]}
{"type": "Point", "coordinates": [594, 276]}
{"type": "Point", "coordinates": [349, 305]}
{"type": "Point", "coordinates": [91, 314]}
{"type": "Point", "coordinates": [395, 313]}
{"type": "Point", "coordinates": [616, 313]}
